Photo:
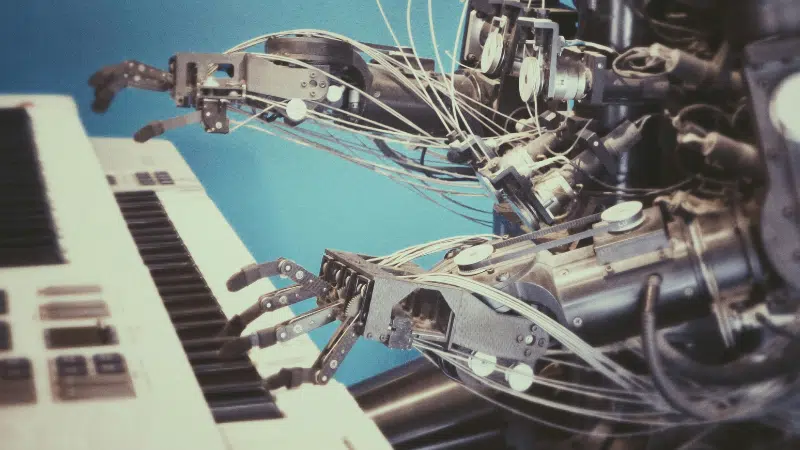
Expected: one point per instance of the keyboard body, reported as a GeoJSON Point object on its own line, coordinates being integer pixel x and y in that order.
{"type": "Point", "coordinates": [106, 333]}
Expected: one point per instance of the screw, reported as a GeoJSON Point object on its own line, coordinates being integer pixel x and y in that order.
{"type": "Point", "coordinates": [303, 84]}
{"type": "Point", "coordinates": [322, 84]}
{"type": "Point", "coordinates": [334, 364]}
{"type": "Point", "coordinates": [490, 271]}
{"type": "Point", "coordinates": [141, 67]}
{"type": "Point", "coordinates": [534, 328]}
{"type": "Point", "coordinates": [369, 335]}
{"type": "Point", "coordinates": [382, 337]}
{"type": "Point", "coordinates": [312, 94]}
{"type": "Point", "coordinates": [283, 300]}
{"type": "Point", "coordinates": [528, 352]}
{"type": "Point", "coordinates": [541, 342]}
{"type": "Point", "coordinates": [283, 335]}
{"type": "Point", "coordinates": [596, 144]}
{"type": "Point", "coordinates": [577, 322]}
{"type": "Point", "coordinates": [313, 75]}
{"type": "Point", "coordinates": [324, 379]}
{"type": "Point", "coordinates": [266, 304]}
{"type": "Point", "coordinates": [520, 338]}
{"type": "Point", "coordinates": [529, 340]}
{"type": "Point", "coordinates": [218, 125]}
{"type": "Point", "coordinates": [208, 113]}
{"type": "Point", "coordinates": [298, 329]}
{"type": "Point", "coordinates": [300, 275]}
{"type": "Point", "coordinates": [287, 268]}
{"type": "Point", "coordinates": [599, 65]}
{"type": "Point", "coordinates": [609, 269]}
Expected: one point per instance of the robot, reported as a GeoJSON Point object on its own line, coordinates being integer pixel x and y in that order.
{"type": "Point", "coordinates": [644, 155]}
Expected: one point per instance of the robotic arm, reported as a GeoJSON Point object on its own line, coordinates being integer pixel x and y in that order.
{"type": "Point", "coordinates": [650, 164]}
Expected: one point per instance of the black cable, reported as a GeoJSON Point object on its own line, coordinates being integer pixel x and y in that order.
{"type": "Point", "coordinates": [422, 156]}
{"type": "Point", "coordinates": [673, 396]}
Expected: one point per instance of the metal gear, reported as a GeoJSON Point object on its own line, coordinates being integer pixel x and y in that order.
{"type": "Point", "coordinates": [353, 306]}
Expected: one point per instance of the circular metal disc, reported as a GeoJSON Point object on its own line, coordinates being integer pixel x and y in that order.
{"type": "Point", "coordinates": [467, 258]}
{"type": "Point", "coordinates": [520, 377]}
{"type": "Point", "coordinates": [482, 364]}
{"type": "Point", "coordinates": [530, 79]}
{"type": "Point", "coordinates": [624, 216]}
{"type": "Point", "coordinates": [492, 52]}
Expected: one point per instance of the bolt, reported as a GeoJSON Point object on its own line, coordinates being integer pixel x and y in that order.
{"type": "Point", "coordinates": [529, 340]}
{"type": "Point", "coordinates": [287, 268]}
{"type": "Point", "coordinates": [788, 211]}
{"type": "Point", "coordinates": [303, 84]}
{"type": "Point", "coordinates": [577, 322]}
{"type": "Point", "coordinates": [609, 269]}
{"type": "Point", "coordinates": [283, 335]}
{"type": "Point", "coordinates": [300, 275]}
{"type": "Point", "coordinates": [541, 342]}
{"type": "Point", "coordinates": [534, 328]}
{"type": "Point", "coordinates": [322, 84]}
{"type": "Point", "coordinates": [334, 364]}
{"type": "Point", "coordinates": [298, 329]}
{"type": "Point", "coordinates": [218, 125]}
{"type": "Point", "coordinates": [283, 300]}
{"type": "Point", "coordinates": [266, 304]}
{"type": "Point", "coordinates": [490, 271]}
{"type": "Point", "coordinates": [528, 352]}
{"type": "Point", "coordinates": [520, 338]}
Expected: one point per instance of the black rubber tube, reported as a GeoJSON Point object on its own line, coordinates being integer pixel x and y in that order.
{"type": "Point", "coordinates": [668, 390]}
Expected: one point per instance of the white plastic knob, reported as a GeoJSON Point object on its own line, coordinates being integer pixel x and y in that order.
{"type": "Point", "coordinates": [520, 377]}
{"type": "Point", "coordinates": [296, 110]}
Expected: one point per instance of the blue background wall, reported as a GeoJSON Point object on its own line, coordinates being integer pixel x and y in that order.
{"type": "Point", "coordinates": [282, 199]}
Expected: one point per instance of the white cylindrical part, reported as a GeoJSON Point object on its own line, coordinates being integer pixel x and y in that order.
{"type": "Point", "coordinates": [520, 377]}
{"type": "Point", "coordinates": [783, 110]}
{"type": "Point", "coordinates": [296, 110]}
{"type": "Point", "coordinates": [482, 364]}
{"type": "Point", "coordinates": [530, 79]}
{"type": "Point", "coordinates": [492, 54]}
{"type": "Point", "coordinates": [334, 94]}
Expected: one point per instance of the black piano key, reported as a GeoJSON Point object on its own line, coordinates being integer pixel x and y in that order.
{"type": "Point", "coordinates": [232, 388]}
{"type": "Point", "coordinates": [27, 231]}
